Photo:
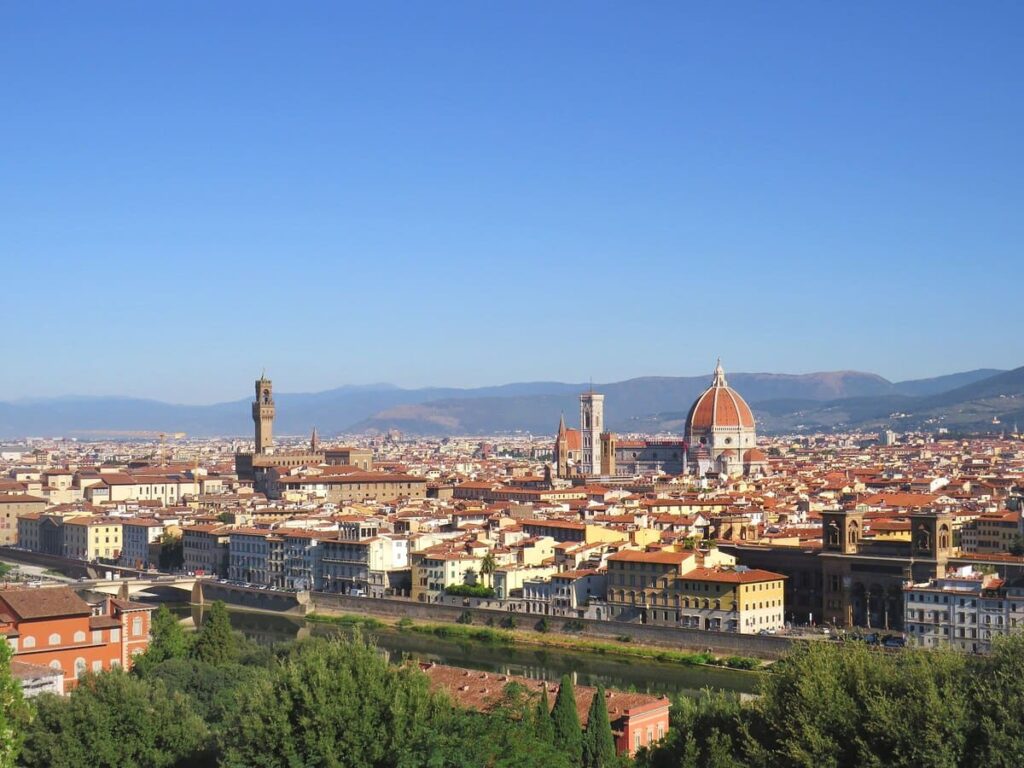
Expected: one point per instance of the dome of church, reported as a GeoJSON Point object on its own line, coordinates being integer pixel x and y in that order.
{"type": "Point", "coordinates": [719, 406]}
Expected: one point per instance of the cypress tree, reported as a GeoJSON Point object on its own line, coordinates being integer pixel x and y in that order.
{"type": "Point", "coordinates": [215, 643]}
{"type": "Point", "coordinates": [566, 720]}
{"type": "Point", "coordinates": [598, 742]}
{"type": "Point", "coordinates": [542, 718]}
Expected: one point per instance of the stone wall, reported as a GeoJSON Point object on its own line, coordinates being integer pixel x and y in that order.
{"type": "Point", "coordinates": [251, 597]}
{"type": "Point", "coordinates": [722, 643]}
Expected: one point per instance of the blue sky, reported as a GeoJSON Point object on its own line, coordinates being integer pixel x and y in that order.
{"type": "Point", "coordinates": [475, 193]}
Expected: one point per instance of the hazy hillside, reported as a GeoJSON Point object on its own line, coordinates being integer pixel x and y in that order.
{"type": "Point", "coordinates": [938, 384]}
{"type": "Point", "coordinates": [781, 402]}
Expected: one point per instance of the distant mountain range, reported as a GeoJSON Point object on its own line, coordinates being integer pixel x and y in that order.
{"type": "Point", "coordinates": [781, 403]}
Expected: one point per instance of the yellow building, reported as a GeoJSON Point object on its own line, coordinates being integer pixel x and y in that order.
{"type": "Point", "coordinates": [694, 589]}
{"type": "Point", "coordinates": [433, 571]}
{"type": "Point", "coordinates": [740, 600]}
{"type": "Point", "coordinates": [92, 538]}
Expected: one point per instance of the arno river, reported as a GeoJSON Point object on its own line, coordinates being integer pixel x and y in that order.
{"type": "Point", "coordinates": [538, 663]}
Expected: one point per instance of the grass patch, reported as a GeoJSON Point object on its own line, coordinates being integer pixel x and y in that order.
{"type": "Point", "coordinates": [464, 632]}
{"type": "Point", "coordinates": [346, 620]}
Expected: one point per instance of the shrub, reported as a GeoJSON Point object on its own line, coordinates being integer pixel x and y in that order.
{"type": "Point", "coordinates": [542, 625]}
{"type": "Point", "coordinates": [465, 618]}
{"type": "Point", "coordinates": [469, 590]}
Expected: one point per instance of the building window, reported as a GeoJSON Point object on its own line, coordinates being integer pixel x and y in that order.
{"type": "Point", "coordinates": [28, 642]}
{"type": "Point", "coordinates": [55, 664]}
{"type": "Point", "coordinates": [79, 667]}
{"type": "Point", "coordinates": [136, 626]}
{"type": "Point", "coordinates": [115, 635]}
{"type": "Point", "coordinates": [55, 639]}
{"type": "Point", "coordinates": [79, 636]}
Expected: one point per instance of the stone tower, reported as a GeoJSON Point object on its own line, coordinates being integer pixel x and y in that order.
{"type": "Point", "coordinates": [263, 414]}
{"type": "Point", "coordinates": [591, 426]}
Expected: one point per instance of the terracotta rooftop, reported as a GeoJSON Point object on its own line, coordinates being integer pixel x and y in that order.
{"type": "Point", "coordinates": [44, 603]}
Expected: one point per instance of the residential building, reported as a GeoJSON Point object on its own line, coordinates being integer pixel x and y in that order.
{"type": "Point", "coordinates": [205, 548]}
{"type": "Point", "coordinates": [965, 610]}
{"type": "Point", "coordinates": [12, 506]}
{"type": "Point", "coordinates": [55, 628]}
{"type": "Point", "coordinates": [690, 589]}
{"type": "Point", "coordinates": [92, 538]}
{"type": "Point", "coordinates": [140, 542]}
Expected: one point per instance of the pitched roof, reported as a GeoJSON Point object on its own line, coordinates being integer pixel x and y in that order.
{"type": "Point", "coordinates": [44, 603]}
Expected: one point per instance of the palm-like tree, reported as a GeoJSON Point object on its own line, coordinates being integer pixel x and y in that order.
{"type": "Point", "coordinates": [488, 565]}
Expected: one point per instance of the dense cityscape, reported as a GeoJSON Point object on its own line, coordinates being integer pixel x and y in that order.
{"type": "Point", "coordinates": [717, 541]}
{"type": "Point", "coordinates": [511, 385]}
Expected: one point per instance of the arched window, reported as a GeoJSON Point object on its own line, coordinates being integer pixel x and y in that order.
{"type": "Point", "coordinates": [79, 667]}
{"type": "Point", "coordinates": [28, 642]}
{"type": "Point", "coordinates": [79, 636]}
{"type": "Point", "coordinates": [55, 639]}
{"type": "Point", "coordinates": [55, 664]}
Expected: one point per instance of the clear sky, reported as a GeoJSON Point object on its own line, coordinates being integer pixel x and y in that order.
{"type": "Point", "coordinates": [472, 193]}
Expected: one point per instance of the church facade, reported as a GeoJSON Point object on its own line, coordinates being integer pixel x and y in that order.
{"type": "Point", "coordinates": [720, 438]}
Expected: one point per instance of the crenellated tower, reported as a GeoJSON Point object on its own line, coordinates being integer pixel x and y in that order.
{"type": "Point", "coordinates": [263, 414]}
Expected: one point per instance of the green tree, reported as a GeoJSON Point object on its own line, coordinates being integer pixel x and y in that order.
{"type": "Point", "coordinates": [996, 690]}
{"type": "Point", "coordinates": [167, 641]}
{"type": "Point", "coordinates": [488, 565]}
{"type": "Point", "coordinates": [213, 689]}
{"type": "Point", "coordinates": [14, 713]}
{"type": "Point", "coordinates": [216, 642]}
{"type": "Point", "coordinates": [337, 704]}
{"type": "Point", "coordinates": [114, 720]}
{"type": "Point", "coordinates": [1017, 545]}
{"type": "Point", "coordinates": [172, 553]}
{"type": "Point", "coordinates": [543, 725]}
{"type": "Point", "coordinates": [850, 706]}
{"type": "Point", "coordinates": [566, 721]}
{"type": "Point", "coordinates": [598, 741]}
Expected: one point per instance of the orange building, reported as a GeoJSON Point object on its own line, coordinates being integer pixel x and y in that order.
{"type": "Point", "coordinates": [637, 719]}
{"type": "Point", "coordinates": [55, 628]}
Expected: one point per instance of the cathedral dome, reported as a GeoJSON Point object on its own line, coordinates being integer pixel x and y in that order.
{"type": "Point", "coordinates": [719, 406]}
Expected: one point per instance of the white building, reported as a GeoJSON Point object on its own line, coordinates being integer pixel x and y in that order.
{"type": "Point", "coordinates": [963, 610]}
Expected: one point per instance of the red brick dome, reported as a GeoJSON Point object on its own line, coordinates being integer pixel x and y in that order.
{"type": "Point", "coordinates": [719, 406]}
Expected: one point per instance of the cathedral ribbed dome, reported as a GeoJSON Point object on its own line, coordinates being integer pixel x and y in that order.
{"type": "Point", "coordinates": [719, 406]}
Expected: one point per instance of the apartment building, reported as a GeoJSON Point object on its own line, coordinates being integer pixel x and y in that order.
{"type": "Point", "coordinates": [92, 538]}
{"type": "Point", "coordinates": [990, 532]}
{"type": "Point", "coordinates": [12, 506]}
{"type": "Point", "coordinates": [56, 628]}
{"type": "Point", "coordinates": [205, 548]}
{"type": "Point", "coordinates": [435, 569]}
{"type": "Point", "coordinates": [375, 566]}
{"type": "Point", "coordinates": [965, 610]}
{"type": "Point", "coordinates": [699, 590]}
{"type": "Point", "coordinates": [140, 539]}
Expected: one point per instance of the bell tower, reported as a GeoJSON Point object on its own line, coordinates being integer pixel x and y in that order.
{"type": "Point", "coordinates": [263, 414]}
{"type": "Point", "coordinates": [591, 426]}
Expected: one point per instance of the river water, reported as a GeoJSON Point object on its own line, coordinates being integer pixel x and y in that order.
{"type": "Point", "coordinates": [538, 663]}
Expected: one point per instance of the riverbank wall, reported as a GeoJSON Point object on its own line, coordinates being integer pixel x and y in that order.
{"type": "Point", "coordinates": [299, 604]}
{"type": "Point", "coordinates": [719, 643]}
{"type": "Point", "coordinates": [253, 598]}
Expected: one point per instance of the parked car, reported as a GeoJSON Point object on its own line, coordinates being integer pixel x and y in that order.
{"type": "Point", "coordinates": [895, 642]}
